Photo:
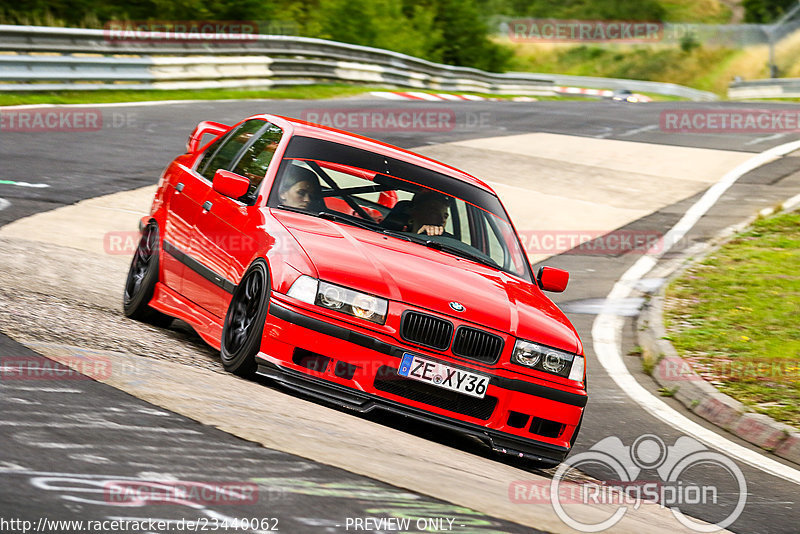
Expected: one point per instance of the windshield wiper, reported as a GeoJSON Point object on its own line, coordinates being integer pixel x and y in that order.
{"type": "Point", "coordinates": [347, 220]}
{"type": "Point", "coordinates": [460, 252]}
{"type": "Point", "coordinates": [395, 233]}
{"type": "Point", "coordinates": [292, 208]}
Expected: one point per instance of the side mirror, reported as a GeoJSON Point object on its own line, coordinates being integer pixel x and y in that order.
{"type": "Point", "coordinates": [230, 184]}
{"type": "Point", "coordinates": [205, 127]}
{"type": "Point", "coordinates": [552, 279]}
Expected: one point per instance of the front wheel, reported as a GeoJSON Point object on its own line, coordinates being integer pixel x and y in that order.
{"type": "Point", "coordinates": [142, 278]}
{"type": "Point", "coordinates": [244, 322]}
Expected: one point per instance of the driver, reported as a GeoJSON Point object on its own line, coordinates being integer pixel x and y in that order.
{"type": "Point", "coordinates": [429, 212]}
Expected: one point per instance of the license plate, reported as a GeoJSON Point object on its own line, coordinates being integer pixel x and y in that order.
{"type": "Point", "coordinates": [430, 371]}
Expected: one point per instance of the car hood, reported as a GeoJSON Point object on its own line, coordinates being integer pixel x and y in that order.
{"type": "Point", "coordinates": [414, 274]}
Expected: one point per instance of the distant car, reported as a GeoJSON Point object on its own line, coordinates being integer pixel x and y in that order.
{"type": "Point", "coordinates": [626, 95]}
{"type": "Point", "coordinates": [363, 274]}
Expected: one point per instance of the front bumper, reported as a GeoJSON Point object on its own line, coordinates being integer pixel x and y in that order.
{"type": "Point", "coordinates": [358, 369]}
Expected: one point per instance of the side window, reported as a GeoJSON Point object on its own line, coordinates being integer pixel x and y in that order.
{"type": "Point", "coordinates": [220, 155]}
{"type": "Point", "coordinates": [463, 221]}
{"type": "Point", "coordinates": [256, 158]}
{"type": "Point", "coordinates": [494, 241]}
{"type": "Point", "coordinates": [480, 231]}
{"type": "Point", "coordinates": [449, 222]}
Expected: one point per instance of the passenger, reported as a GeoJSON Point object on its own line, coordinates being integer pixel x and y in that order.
{"type": "Point", "coordinates": [428, 213]}
{"type": "Point", "coordinates": [299, 188]}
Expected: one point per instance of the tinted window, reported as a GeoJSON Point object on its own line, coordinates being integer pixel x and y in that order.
{"type": "Point", "coordinates": [220, 155]}
{"type": "Point", "coordinates": [304, 147]}
{"type": "Point", "coordinates": [256, 158]}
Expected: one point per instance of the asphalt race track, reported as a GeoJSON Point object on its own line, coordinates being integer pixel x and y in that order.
{"type": "Point", "coordinates": [66, 442]}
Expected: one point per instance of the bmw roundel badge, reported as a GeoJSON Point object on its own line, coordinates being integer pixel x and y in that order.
{"type": "Point", "coordinates": [457, 306]}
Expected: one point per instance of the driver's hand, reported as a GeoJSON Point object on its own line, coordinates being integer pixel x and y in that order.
{"type": "Point", "coordinates": [430, 229]}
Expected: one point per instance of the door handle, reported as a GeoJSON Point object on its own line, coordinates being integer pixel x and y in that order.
{"type": "Point", "coordinates": [179, 187]}
{"type": "Point", "coordinates": [207, 205]}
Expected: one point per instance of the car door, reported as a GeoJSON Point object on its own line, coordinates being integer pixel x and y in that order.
{"type": "Point", "coordinates": [224, 237]}
{"type": "Point", "coordinates": [189, 189]}
{"type": "Point", "coordinates": [182, 208]}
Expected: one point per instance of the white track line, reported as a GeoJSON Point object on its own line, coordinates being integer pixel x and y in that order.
{"type": "Point", "coordinates": [607, 328]}
{"type": "Point", "coordinates": [447, 96]}
{"type": "Point", "coordinates": [389, 95]}
{"type": "Point", "coordinates": [424, 96]}
{"type": "Point", "coordinates": [4, 204]}
{"type": "Point", "coordinates": [23, 184]}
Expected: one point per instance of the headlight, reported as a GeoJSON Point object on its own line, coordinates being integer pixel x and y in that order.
{"type": "Point", "coordinates": [340, 298]}
{"type": "Point", "coordinates": [366, 306]}
{"type": "Point", "coordinates": [548, 359]}
{"type": "Point", "coordinates": [331, 297]}
{"type": "Point", "coordinates": [352, 302]}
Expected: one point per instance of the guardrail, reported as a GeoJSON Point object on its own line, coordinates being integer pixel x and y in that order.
{"type": "Point", "coordinates": [771, 88]}
{"type": "Point", "coordinates": [34, 58]}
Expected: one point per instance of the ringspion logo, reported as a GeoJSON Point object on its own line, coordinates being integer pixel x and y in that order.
{"type": "Point", "coordinates": [648, 470]}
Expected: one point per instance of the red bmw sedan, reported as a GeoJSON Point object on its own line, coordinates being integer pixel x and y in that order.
{"type": "Point", "coordinates": [365, 275]}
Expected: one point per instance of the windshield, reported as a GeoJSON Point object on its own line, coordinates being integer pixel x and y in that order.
{"type": "Point", "coordinates": [382, 194]}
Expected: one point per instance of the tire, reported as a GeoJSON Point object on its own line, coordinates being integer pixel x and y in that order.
{"type": "Point", "coordinates": [244, 322]}
{"type": "Point", "coordinates": [142, 278]}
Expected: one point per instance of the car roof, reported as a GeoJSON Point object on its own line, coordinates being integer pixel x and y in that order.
{"type": "Point", "coordinates": [318, 131]}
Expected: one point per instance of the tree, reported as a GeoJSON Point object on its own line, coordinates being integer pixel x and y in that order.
{"type": "Point", "coordinates": [765, 11]}
{"type": "Point", "coordinates": [464, 37]}
{"type": "Point", "coordinates": [379, 23]}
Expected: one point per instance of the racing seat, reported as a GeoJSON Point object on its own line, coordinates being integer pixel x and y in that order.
{"type": "Point", "coordinates": [398, 217]}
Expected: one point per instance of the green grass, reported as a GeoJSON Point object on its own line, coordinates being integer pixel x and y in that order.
{"type": "Point", "coordinates": [701, 11]}
{"type": "Point", "coordinates": [304, 92]}
{"type": "Point", "coordinates": [703, 68]}
{"type": "Point", "coordinates": [736, 317]}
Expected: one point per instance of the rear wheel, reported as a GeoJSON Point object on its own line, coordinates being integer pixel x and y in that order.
{"type": "Point", "coordinates": [244, 322]}
{"type": "Point", "coordinates": [142, 278]}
